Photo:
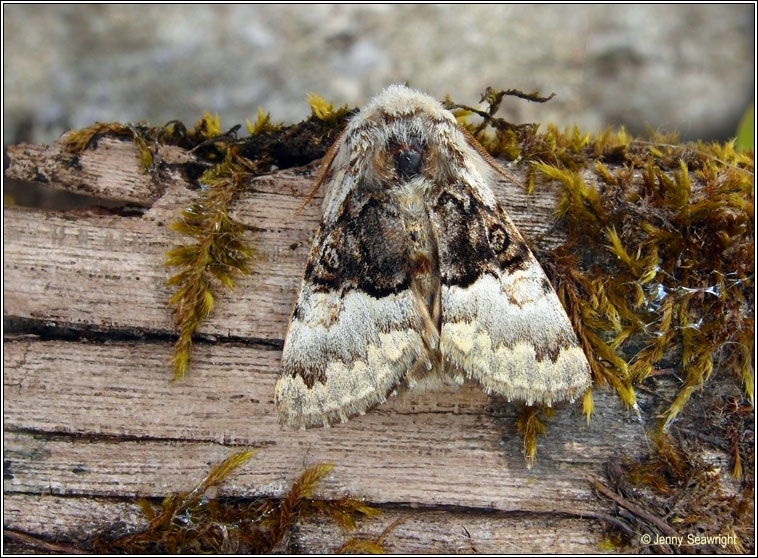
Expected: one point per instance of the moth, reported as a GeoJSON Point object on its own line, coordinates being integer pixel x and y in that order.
{"type": "Point", "coordinates": [417, 276]}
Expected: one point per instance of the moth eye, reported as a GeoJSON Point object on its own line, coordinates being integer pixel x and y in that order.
{"type": "Point", "coordinates": [407, 156]}
{"type": "Point", "coordinates": [407, 162]}
{"type": "Point", "coordinates": [498, 238]}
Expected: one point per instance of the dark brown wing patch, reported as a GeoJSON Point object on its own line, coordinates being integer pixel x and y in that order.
{"type": "Point", "coordinates": [474, 239]}
{"type": "Point", "coordinates": [365, 249]}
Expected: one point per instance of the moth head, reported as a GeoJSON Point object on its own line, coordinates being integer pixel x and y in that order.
{"type": "Point", "coordinates": [402, 134]}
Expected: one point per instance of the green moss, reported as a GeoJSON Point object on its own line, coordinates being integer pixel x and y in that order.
{"type": "Point", "coordinates": [78, 140]}
{"type": "Point", "coordinates": [193, 522]}
{"type": "Point", "coordinates": [745, 140]}
{"type": "Point", "coordinates": [374, 545]}
{"type": "Point", "coordinates": [263, 124]}
{"type": "Point", "coordinates": [323, 110]}
{"type": "Point", "coordinates": [498, 136]}
{"type": "Point", "coordinates": [217, 252]}
{"type": "Point", "coordinates": [529, 423]}
{"type": "Point", "coordinates": [675, 273]}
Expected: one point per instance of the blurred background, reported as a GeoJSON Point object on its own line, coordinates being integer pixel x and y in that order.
{"type": "Point", "coordinates": [675, 67]}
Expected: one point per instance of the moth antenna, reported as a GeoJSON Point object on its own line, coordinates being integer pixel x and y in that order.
{"type": "Point", "coordinates": [322, 172]}
{"type": "Point", "coordinates": [472, 141]}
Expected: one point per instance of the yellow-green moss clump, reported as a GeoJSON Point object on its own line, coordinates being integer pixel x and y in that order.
{"type": "Point", "coordinates": [193, 523]}
{"type": "Point", "coordinates": [216, 251]}
{"type": "Point", "coordinates": [657, 274]}
{"type": "Point", "coordinates": [674, 271]}
{"type": "Point", "coordinates": [658, 263]}
{"type": "Point", "coordinates": [78, 140]}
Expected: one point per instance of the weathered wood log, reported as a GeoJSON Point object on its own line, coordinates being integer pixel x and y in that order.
{"type": "Point", "coordinates": [93, 421]}
{"type": "Point", "coordinates": [420, 531]}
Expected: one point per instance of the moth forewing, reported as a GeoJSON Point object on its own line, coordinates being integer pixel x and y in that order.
{"type": "Point", "coordinates": [502, 322]}
{"type": "Point", "coordinates": [416, 272]}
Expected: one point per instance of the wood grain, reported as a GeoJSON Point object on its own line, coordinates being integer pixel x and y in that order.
{"type": "Point", "coordinates": [434, 443]}
{"type": "Point", "coordinates": [108, 169]}
{"type": "Point", "coordinates": [419, 531]}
